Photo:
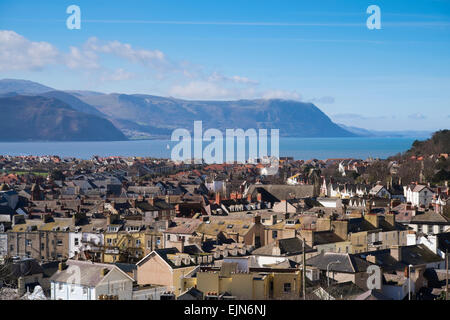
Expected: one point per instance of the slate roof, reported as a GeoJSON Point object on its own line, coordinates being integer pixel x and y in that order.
{"type": "Point", "coordinates": [324, 237]}
{"type": "Point", "coordinates": [443, 240]}
{"type": "Point", "coordinates": [168, 254]}
{"type": "Point", "coordinates": [226, 225]}
{"type": "Point", "coordinates": [191, 294]}
{"type": "Point", "coordinates": [288, 247]}
{"type": "Point", "coordinates": [283, 192]}
{"type": "Point", "coordinates": [344, 290]}
{"type": "Point", "coordinates": [126, 267]}
{"type": "Point", "coordinates": [25, 267]}
{"type": "Point", "coordinates": [414, 255]}
{"type": "Point", "coordinates": [430, 216]}
{"type": "Point", "coordinates": [372, 295]}
{"type": "Point", "coordinates": [185, 227]}
{"type": "Point", "coordinates": [348, 263]}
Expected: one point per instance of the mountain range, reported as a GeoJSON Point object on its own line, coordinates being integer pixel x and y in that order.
{"type": "Point", "coordinates": [50, 114]}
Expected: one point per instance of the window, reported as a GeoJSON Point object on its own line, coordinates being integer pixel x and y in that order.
{"type": "Point", "coordinates": [28, 242]}
{"type": "Point", "coordinates": [158, 241]}
{"type": "Point", "coordinates": [76, 241]}
{"type": "Point", "coordinates": [42, 246]}
{"type": "Point", "coordinates": [287, 287]}
{"type": "Point", "coordinates": [138, 242]}
{"type": "Point", "coordinates": [59, 242]}
{"type": "Point", "coordinates": [60, 286]}
{"type": "Point", "coordinates": [274, 234]}
{"type": "Point", "coordinates": [85, 290]}
{"type": "Point", "coordinates": [109, 240]}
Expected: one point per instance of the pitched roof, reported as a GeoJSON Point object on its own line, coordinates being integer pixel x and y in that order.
{"type": "Point", "coordinates": [347, 263]}
{"type": "Point", "coordinates": [288, 247]}
{"type": "Point", "coordinates": [443, 240]}
{"type": "Point", "coordinates": [89, 273]}
{"type": "Point", "coordinates": [372, 295]}
{"type": "Point", "coordinates": [283, 192]}
{"type": "Point", "coordinates": [429, 216]}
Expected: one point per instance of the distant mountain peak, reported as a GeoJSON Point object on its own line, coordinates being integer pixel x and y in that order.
{"type": "Point", "coordinates": [21, 86]}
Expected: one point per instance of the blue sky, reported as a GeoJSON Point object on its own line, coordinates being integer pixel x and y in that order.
{"type": "Point", "coordinates": [395, 78]}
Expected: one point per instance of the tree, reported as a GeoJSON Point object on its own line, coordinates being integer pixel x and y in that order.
{"type": "Point", "coordinates": [57, 175]}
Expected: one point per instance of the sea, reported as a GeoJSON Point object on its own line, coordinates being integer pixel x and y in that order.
{"type": "Point", "coordinates": [298, 148]}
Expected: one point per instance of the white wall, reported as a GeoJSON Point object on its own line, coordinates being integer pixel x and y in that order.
{"type": "Point", "coordinates": [70, 291]}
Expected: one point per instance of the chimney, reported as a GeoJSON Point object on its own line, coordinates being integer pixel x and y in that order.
{"type": "Point", "coordinates": [340, 228]}
{"type": "Point", "coordinates": [396, 252]}
{"type": "Point", "coordinates": [390, 218]}
{"type": "Point", "coordinates": [167, 199]}
{"type": "Point", "coordinates": [257, 219]}
{"type": "Point", "coordinates": [249, 198]}
{"type": "Point", "coordinates": [151, 201]}
{"type": "Point", "coordinates": [323, 224]}
{"type": "Point", "coordinates": [308, 235]}
{"type": "Point", "coordinates": [372, 218]}
{"type": "Point", "coordinates": [108, 219]}
{"type": "Point", "coordinates": [179, 244]}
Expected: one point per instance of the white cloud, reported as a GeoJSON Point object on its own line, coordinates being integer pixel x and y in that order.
{"type": "Point", "coordinates": [148, 58]}
{"type": "Point", "coordinates": [215, 76]}
{"type": "Point", "coordinates": [204, 90]}
{"type": "Point", "coordinates": [417, 116]}
{"type": "Point", "coordinates": [18, 53]}
{"type": "Point", "coordinates": [117, 75]}
{"type": "Point", "coordinates": [281, 94]}
{"type": "Point", "coordinates": [81, 59]}
{"type": "Point", "coordinates": [323, 100]}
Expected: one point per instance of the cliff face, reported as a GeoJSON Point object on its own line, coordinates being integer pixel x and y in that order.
{"type": "Point", "coordinates": [293, 118]}
{"type": "Point", "coordinates": [35, 118]}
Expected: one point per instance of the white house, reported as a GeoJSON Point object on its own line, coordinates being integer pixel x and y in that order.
{"type": "Point", "coordinates": [438, 243]}
{"type": "Point", "coordinates": [216, 186]}
{"type": "Point", "coordinates": [418, 195]}
{"type": "Point", "coordinates": [88, 237]}
{"type": "Point", "coordinates": [85, 280]}
{"type": "Point", "coordinates": [380, 191]}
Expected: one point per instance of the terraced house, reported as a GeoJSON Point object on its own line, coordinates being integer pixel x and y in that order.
{"type": "Point", "coordinates": [125, 240]}
{"type": "Point", "coordinates": [43, 240]}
